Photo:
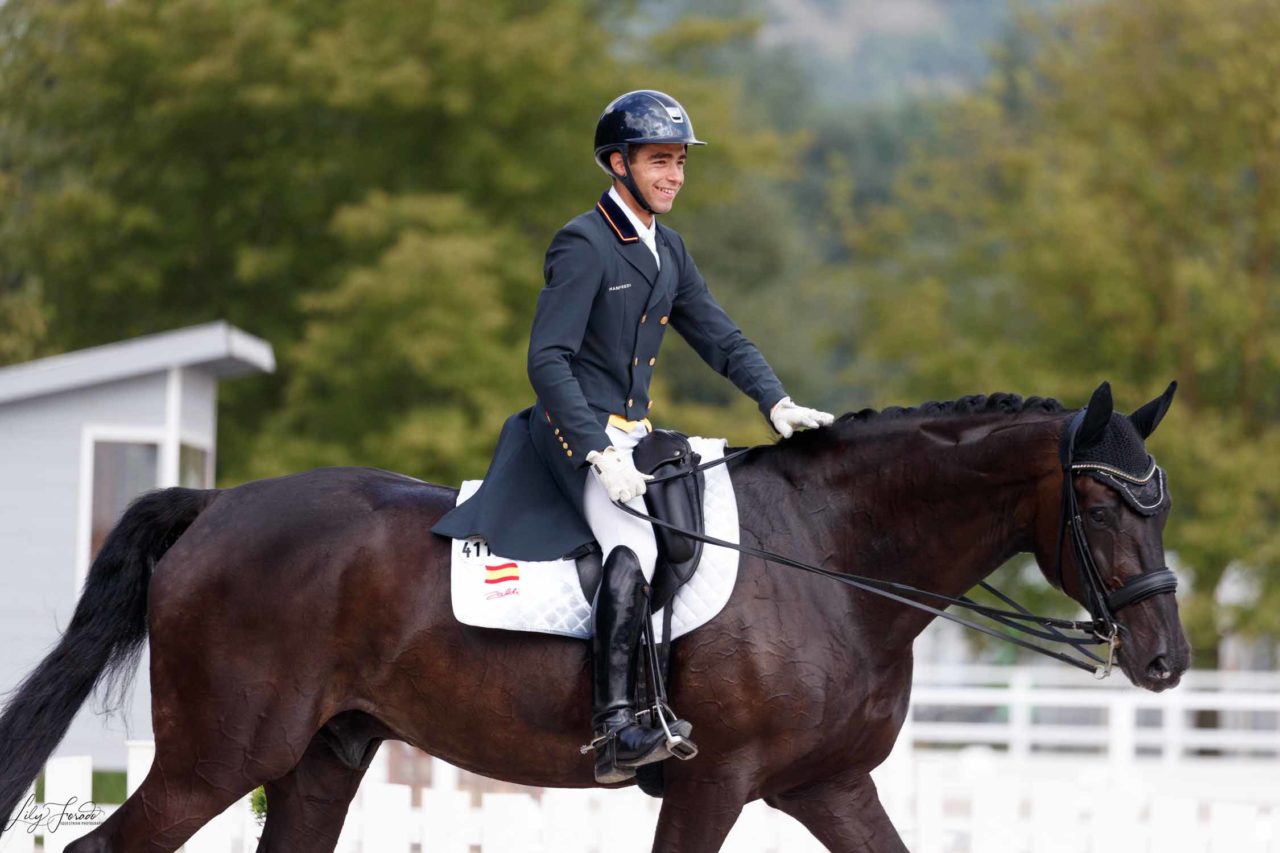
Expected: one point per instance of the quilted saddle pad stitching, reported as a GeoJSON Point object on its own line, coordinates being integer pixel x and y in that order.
{"type": "Point", "coordinates": [490, 591]}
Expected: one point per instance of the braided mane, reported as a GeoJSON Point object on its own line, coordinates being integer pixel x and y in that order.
{"type": "Point", "coordinates": [974, 404]}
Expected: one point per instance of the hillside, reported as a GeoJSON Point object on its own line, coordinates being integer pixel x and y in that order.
{"type": "Point", "coordinates": [862, 51]}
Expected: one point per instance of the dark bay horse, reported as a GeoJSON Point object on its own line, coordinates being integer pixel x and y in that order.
{"type": "Point", "coordinates": [296, 623]}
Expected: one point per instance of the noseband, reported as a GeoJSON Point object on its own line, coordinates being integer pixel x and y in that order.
{"type": "Point", "coordinates": [1102, 603]}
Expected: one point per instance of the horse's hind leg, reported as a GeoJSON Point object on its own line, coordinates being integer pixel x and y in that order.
{"type": "Point", "coordinates": [844, 814]}
{"type": "Point", "coordinates": [211, 749]}
{"type": "Point", "coordinates": [185, 789]}
{"type": "Point", "coordinates": [307, 807]}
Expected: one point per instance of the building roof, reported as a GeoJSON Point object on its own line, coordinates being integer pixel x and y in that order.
{"type": "Point", "coordinates": [218, 347]}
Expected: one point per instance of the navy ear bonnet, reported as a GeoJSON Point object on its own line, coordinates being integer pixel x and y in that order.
{"type": "Point", "coordinates": [1119, 459]}
{"type": "Point", "coordinates": [1119, 447]}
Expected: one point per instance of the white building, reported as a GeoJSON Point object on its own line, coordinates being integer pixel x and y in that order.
{"type": "Point", "coordinates": [82, 434]}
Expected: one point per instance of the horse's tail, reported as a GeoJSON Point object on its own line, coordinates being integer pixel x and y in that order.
{"type": "Point", "coordinates": [104, 639]}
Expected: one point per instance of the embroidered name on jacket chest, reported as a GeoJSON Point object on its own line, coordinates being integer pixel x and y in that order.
{"type": "Point", "coordinates": [620, 287]}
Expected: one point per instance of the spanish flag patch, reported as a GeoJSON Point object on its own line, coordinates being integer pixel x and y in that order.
{"type": "Point", "coordinates": [502, 573]}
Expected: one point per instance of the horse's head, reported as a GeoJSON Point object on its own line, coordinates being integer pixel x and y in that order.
{"type": "Point", "coordinates": [1121, 501]}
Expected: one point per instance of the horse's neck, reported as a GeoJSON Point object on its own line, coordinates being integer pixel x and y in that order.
{"type": "Point", "coordinates": [935, 503]}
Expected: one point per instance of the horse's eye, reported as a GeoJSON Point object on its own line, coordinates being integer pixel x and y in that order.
{"type": "Point", "coordinates": [1099, 514]}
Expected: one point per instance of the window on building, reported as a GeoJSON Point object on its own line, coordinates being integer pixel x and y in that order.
{"type": "Point", "coordinates": [121, 471]}
{"type": "Point", "coordinates": [193, 468]}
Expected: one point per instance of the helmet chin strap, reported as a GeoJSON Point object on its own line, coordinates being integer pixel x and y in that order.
{"type": "Point", "coordinates": [629, 181]}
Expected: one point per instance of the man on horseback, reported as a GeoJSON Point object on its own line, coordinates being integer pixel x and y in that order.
{"type": "Point", "coordinates": [615, 279]}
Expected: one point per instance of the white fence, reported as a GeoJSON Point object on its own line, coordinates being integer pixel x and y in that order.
{"type": "Point", "coordinates": [1026, 710]}
{"type": "Point", "coordinates": [992, 759]}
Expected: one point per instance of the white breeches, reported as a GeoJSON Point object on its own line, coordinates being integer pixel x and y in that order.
{"type": "Point", "coordinates": [612, 526]}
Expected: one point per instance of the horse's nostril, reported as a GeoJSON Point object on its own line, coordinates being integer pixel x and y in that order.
{"type": "Point", "coordinates": [1158, 669]}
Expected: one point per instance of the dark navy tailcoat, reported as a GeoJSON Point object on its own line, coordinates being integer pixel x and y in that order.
{"type": "Point", "coordinates": [592, 350]}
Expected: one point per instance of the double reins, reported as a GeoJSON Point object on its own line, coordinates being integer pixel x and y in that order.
{"type": "Point", "coordinates": [1100, 629]}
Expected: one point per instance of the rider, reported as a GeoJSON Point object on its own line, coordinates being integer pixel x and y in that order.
{"type": "Point", "coordinates": [615, 278]}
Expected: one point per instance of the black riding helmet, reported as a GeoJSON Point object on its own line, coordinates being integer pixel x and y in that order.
{"type": "Point", "coordinates": [642, 117]}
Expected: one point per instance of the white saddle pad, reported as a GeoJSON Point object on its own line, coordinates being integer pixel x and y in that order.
{"type": "Point", "coordinates": [491, 591]}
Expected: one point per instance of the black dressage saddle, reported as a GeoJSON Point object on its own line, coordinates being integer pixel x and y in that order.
{"type": "Point", "coordinates": [677, 501]}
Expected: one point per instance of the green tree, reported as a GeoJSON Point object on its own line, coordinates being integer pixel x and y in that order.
{"type": "Point", "coordinates": [173, 163]}
{"type": "Point", "coordinates": [23, 325]}
{"type": "Point", "coordinates": [369, 186]}
{"type": "Point", "coordinates": [413, 360]}
{"type": "Point", "coordinates": [1110, 209]}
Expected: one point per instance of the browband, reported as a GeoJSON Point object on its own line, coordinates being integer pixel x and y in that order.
{"type": "Point", "coordinates": [1116, 472]}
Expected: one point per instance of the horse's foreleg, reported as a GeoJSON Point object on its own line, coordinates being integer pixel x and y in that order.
{"type": "Point", "coordinates": [307, 807]}
{"type": "Point", "coordinates": [696, 816]}
{"type": "Point", "coordinates": [844, 814]}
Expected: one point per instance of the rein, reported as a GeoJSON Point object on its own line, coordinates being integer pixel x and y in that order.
{"type": "Point", "coordinates": [1100, 629]}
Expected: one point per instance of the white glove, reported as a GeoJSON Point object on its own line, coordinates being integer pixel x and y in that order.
{"type": "Point", "coordinates": [787, 417]}
{"type": "Point", "coordinates": [618, 474]}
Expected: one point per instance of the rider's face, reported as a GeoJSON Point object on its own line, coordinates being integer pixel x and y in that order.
{"type": "Point", "coordinates": [659, 173]}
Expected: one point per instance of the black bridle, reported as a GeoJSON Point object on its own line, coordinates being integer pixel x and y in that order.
{"type": "Point", "coordinates": [1102, 604]}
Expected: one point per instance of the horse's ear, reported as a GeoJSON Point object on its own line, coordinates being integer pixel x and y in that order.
{"type": "Point", "coordinates": [1147, 418]}
{"type": "Point", "coordinates": [1097, 417]}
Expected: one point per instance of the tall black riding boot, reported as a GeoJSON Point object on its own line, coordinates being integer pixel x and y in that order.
{"type": "Point", "coordinates": [621, 743]}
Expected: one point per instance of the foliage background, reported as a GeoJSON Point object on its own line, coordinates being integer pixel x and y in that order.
{"type": "Point", "coordinates": [902, 201]}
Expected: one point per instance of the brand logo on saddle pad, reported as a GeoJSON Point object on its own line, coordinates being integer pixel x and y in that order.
{"type": "Point", "coordinates": [504, 573]}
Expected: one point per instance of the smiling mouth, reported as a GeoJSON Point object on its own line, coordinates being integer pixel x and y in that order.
{"type": "Point", "coordinates": [666, 193]}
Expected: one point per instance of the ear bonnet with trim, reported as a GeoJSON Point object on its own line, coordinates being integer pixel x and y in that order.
{"type": "Point", "coordinates": [1119, 459]}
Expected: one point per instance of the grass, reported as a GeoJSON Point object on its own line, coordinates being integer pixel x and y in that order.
{"type": "Point", "coordinates": [108, 787]}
